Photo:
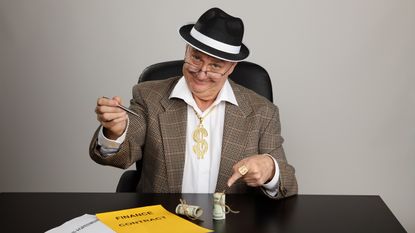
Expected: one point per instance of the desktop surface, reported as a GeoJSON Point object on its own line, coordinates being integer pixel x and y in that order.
{"type": "Point", "coordinates": [39, 212]}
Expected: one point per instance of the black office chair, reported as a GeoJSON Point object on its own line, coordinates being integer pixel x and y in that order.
{"type": "Point", "coordinates": [247, 74]}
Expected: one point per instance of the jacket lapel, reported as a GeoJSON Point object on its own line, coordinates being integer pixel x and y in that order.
{"type": "Point", "coordinates": [236, 126]}
{"type": "Point", "coordinates": [173, 123]}
{"type": "Point", "coordinates": [173, 130]}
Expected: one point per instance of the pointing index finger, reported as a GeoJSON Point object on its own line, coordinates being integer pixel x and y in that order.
{"type": "Point", "coordinates": [235, 176]}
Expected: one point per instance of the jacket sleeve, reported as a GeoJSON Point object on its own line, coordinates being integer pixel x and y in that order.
{"type": "Point", "coordinates": [271, 143]}
{"type": "Point", "coordinates": [131, 149]}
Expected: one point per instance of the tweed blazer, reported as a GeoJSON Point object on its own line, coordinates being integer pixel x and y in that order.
{"type": "Point", "coordinates": [158, 138]}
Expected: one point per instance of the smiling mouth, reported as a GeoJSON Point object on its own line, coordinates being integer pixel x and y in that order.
{"type": "Point", "coordinates": [199, 82]}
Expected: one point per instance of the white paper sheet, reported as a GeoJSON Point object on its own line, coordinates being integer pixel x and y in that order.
{"type": "Point", "coordinates": [83, 224]}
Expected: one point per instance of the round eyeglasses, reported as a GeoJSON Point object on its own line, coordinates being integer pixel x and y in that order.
{"type": "Point", "coordinates": [193, 63]}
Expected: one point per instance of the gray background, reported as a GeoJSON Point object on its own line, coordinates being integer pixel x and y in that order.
{"type": "Point", "coordinates": [343, 75]}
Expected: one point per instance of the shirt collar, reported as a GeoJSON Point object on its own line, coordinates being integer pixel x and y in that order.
{"type": "Point", "coordinates": [182, 91]}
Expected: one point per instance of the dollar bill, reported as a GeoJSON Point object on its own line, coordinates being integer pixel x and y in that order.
{"type": "Point", "coordinates": [218, 206]}
{"type": "Point", "coordinates": [189, 210]}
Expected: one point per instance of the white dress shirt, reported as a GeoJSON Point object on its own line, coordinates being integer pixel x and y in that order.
{"type": "Point", "coordinates": [199, 175]}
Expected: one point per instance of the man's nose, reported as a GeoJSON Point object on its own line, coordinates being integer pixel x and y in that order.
{"type": "Point", "coordinates": [203, 70]}
{"type": "Point", "coordinates": [202, 74]}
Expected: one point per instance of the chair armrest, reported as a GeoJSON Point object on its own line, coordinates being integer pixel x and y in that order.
{"type": "Point", "coordinates": [128, 182]}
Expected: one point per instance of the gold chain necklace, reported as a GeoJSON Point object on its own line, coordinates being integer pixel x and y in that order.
{"type": "Point", "coordinates": [201, 146]}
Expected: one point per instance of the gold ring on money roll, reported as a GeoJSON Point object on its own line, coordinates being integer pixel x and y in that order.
{"type": "Point", "coordinates": [243, 170]}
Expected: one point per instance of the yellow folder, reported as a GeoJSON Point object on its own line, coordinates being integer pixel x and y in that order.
{"type": "Point", "coordinates": [149, 219]}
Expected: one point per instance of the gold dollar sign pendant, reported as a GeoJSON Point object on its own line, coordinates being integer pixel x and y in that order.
{"type": "Point", "coordinates": [201, 146]}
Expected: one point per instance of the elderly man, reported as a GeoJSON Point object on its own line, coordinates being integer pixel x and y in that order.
{"type": "Point", "coordinates": [199, 133]}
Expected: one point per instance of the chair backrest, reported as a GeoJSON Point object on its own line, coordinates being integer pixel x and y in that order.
{"type": "Point", "coordinates": [247, 74]}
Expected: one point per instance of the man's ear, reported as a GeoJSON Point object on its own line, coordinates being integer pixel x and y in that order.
{"type": "Point", "coordinates": [186, 48]}
{"type": "Point", "coordinates": [232, 68]}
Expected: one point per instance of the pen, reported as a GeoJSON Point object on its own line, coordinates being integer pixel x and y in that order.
{"type": "Point", "coordinates": [124, 108]}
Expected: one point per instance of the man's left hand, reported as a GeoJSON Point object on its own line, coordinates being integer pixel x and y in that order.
{"type": "Point", "coordinates": [255, 170]}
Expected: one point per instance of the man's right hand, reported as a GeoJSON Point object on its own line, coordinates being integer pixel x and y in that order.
{"type": "Point", "coordinates": [111, 117]}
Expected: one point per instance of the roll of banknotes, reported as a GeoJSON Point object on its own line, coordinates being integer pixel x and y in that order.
{"type": "Point", "coordinates": [192, 211]}
{"type": "Point", "coordinates": [219, 206]}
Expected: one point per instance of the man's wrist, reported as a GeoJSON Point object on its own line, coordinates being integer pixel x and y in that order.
{"type": "Point", "coordinates": [109, 143]}
{"type": "Point", "coordinates": [111, 135]}
{"type": "Point", "coordinates": [272, 183]}
{"type": "Point", "coordinates": [273, 162]}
